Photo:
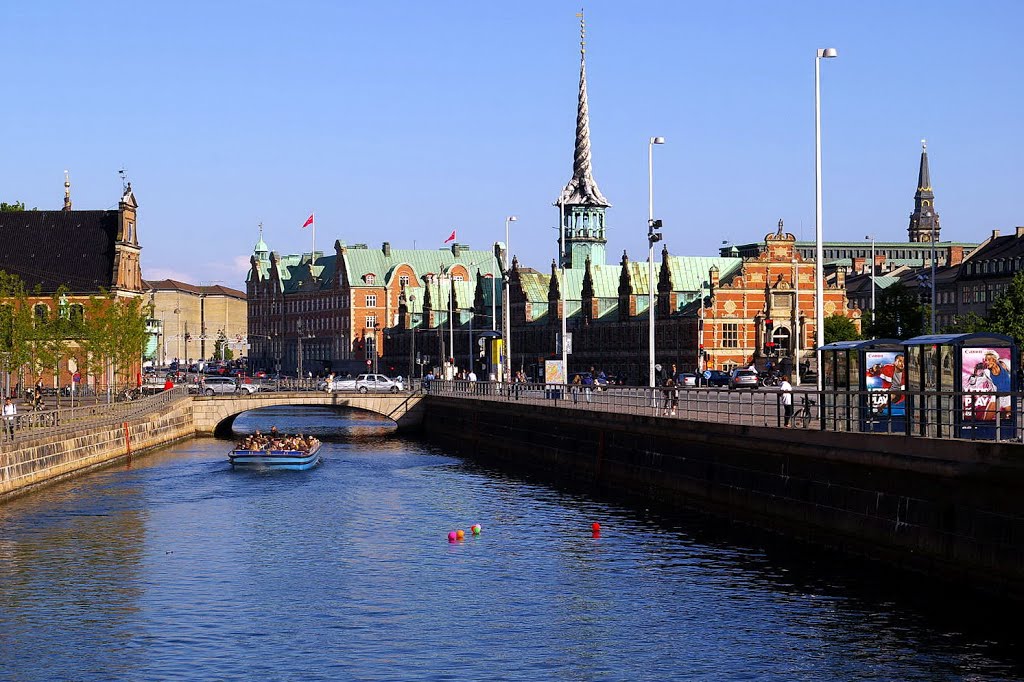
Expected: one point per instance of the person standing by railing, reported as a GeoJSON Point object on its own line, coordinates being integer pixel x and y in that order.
{"type": "Point", "coordinates": [787, 400]}
{"type": "Point", "coordinates": [10, 414]}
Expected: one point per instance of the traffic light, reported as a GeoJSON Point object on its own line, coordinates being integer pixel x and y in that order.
{"type": "Point", "coordinates": [653, 236]}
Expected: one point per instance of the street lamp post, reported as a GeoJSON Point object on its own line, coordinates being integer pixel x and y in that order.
{"type": "Point", "coordinates": [506, 333]}
{"type": "Point", "coordinates": [872, 238]}
{"type": "Point", "coordinates": [932, 229]}
{"type": "Point", "coordinates": [561, 289]}
{"type": "Point", "coordinates": [819, 254]}
{"type": "Point", "coordinates": [798, 336]}
{"type": "Point", "coordinates": [652, 237]}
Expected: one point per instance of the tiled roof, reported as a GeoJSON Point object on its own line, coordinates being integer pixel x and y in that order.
{"type": "Point", "coordinates": [53, 248]}
{"type": "Point", "coordinates": [359, 261]}
{"type": "Point", "coordinates": [175, 285]}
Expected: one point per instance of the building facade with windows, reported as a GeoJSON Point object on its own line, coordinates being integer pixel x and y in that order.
{"type": "Point", "coordinates": [315, 313]}
{"type": "Point", "coordinates": [188, 320]}
{"type": "Point", "coordinates": [67, 256]}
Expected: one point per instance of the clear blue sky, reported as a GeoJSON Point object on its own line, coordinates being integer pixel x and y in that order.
{"type": "Point", "coordinates": [401, 121]}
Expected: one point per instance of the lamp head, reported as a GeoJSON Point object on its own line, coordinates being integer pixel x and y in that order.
{"type": "Point", "coordinates": [657, 140]}
{"type": "Point", "coordinates": [512, 218]}
{"type": "Point", "coordinates": [827, 53]}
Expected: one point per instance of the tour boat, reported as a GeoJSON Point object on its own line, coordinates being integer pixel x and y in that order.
{"type": "Point", "coordinates": [296, 460]}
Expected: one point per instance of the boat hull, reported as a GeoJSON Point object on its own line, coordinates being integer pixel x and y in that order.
{"type": "Point", "coordinates": [294, 460]}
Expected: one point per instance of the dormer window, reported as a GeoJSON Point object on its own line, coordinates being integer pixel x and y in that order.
{"type": "Point", "coordinates": [370, 278]}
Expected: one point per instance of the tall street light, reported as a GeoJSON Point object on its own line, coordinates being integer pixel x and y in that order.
{"type": "Point", "coordinates": [506, 332]}
{"type": "Point", "coordinates": [798, 335]}
{"type": "Point", "coordinates": [561, 289]}
{"type": "Point", "coordinates": [928, 216]}
{"type": "Point", "coordinates": [872, 238]}
{"type": "Point", "coordinates": [819, 252]}
{"type": "Point", "coordinates": [653, 236]}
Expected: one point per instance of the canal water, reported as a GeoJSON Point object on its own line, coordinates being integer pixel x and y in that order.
{"type": "Point", "coordinates": [177, 567]}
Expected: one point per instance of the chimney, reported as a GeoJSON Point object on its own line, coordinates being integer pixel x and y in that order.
{"type": "Point", "coordinates": [386, 248]}
{"type": "Point", "coordinates": [859, 265]}
{"type": "Point", "coordinates": [995, 233]}
{"type": "Point", "coordinates": [956, 253]}
{"type": "Point", "coordinates": [1020, 231]}
{"type": "Point", "coordinates": [713, 276]}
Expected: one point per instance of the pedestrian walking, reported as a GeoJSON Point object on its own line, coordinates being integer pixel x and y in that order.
{"type": "Point", "coordinates": [787, 399]}
{"type": "Point", "coordinates": [574, 388]}
{"type": "Point", "coordinates": [10, 414]}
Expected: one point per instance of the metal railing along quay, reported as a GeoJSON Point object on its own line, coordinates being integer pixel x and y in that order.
{"type": "Point", "coordinates": [29, 423]}
{"type": "Point", "coordinates": [932, 414]}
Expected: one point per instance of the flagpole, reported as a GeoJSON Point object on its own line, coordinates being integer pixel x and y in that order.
{"type": "Point", "coordinates": [312, 250]}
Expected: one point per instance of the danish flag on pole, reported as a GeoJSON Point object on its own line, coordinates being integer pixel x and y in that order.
{"type": "Point", "coordinates": [309, 221]}
{"type": "Point", "coordinates": [451, 237]}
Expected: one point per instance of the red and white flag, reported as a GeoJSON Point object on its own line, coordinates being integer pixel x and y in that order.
{"type": "Point", "coordinates": [309, 221]}
{"type": "Point", "coordinates": [451, 237]}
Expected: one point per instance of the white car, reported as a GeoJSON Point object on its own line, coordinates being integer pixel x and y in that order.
{"type": "Point", "coordinates": [365, 383]}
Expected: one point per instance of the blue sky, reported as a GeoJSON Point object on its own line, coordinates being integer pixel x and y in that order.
{"type": "Point", "coordinates": [401, 121]}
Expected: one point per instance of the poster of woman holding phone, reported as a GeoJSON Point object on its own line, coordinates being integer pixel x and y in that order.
{"type": "Point", "coordinates": [986, 371]}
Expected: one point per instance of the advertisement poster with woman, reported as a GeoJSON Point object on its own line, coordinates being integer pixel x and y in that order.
{"type": "Point", "coordinates": [986, 371]}
{"type": "Point", "coordinates": [886, 378]}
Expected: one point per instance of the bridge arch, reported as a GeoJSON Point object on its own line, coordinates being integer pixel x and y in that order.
{"type": "Point", "coordinates": [213, 415]}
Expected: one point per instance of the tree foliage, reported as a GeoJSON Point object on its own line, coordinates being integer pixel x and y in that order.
{"type": "Point", "coordinates": [1006, 315]}
{"type": "Point", "coordinates": [114, 336]}
{"type": "Point", "coordinates": [11, 208]}
{"type": "Point", "coordinates": [898, 314]}
{"type": "Point", "coordinates": [838, 327]}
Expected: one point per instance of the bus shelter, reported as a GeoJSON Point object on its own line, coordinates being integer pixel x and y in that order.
{"type": "Point", "coordinates": [862, 384]}
{"type": "Point", "coordinates": [961, 385]}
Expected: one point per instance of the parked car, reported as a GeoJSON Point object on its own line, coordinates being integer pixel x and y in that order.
{"type": "Point", "coordinates": [347, 384]}
{"type": "Point", "coordinates": [743, 378]}
{"type": "Point", "coordinates": [366, 383]}
{"type": "Point", "coordinates": [687, 380]}
{"type": "Point", "coordinates": [212, 385]}
{"type": "Point", "coordinates": [715, 377]}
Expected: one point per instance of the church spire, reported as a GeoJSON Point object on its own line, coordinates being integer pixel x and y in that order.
{"type": "Point", "coordinates": [924, 221]}
{"type": "Point", "coordinates": [583, 204]}
{"type": "Point", "coordinates": [67, 191]}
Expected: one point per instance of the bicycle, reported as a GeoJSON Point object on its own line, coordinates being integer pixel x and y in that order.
{"type": "Point", "coordinates": [805, 414]}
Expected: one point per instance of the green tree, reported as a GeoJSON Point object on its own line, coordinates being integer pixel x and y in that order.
{"type": "Point", "coordinates": [838, 327]}
{"type": "Point", "coordinates": [1006, 315]}
{"type": "Point", "coordinates": [967, 324]}
{"type": "Point", "coordinates": [114, 336]}
{"type": "Point", "coordinates": [220, 349]}
{"type": "Point", "coordinates": [16, 329]}
{"type": "Point", "coordinates": [898, 314]}
{"type": "Point", "coordinates": [11, 208]}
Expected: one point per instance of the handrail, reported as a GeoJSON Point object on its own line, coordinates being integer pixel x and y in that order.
{"type": "Point", "coordinates": [29, 424]}
{"type": "Point", "coordinates": [982, 415]}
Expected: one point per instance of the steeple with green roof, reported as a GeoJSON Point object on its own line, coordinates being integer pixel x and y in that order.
{"type": "Point", "coordinates": [583, 214]}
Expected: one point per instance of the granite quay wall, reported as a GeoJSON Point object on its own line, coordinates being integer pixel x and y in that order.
{"type": "Point", "coordinates": [43, 458]}
{"type": "Point", "coordinates": [952, 509]}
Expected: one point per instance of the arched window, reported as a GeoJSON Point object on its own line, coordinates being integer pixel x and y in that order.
{"type": "Point", "coordinates": [40, 313]}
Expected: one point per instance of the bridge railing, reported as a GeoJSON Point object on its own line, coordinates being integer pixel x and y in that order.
{"type": "Point", "coordinates": [928, 414]}
{"type": "Point", "coordinates": [29, 423]}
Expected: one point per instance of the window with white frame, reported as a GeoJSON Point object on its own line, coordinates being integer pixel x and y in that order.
{"type": "Point", "coordinates": [403, 280]}
{"type": "Point", "coordinates": [371, 300]}
{"type": "Point", "coordinates": [730, 335]}
{"type": "Point", "coordinates": [371, 321]}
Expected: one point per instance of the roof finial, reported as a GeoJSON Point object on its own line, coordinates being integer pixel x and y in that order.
{"type": "Point", "coordinates": [261, 230]}
{"type": "Point", "coordinates": [924, 145]}
{"type": "Point", "coordinates": [67, 191]}
{"type": "Point", "coordinates": [583, 32]}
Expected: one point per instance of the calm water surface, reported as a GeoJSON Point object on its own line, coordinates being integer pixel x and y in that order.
{"type": "Point", "coordinates": [178, 567]}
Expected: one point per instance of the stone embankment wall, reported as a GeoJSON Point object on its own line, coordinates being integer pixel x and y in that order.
{"type": "Point", "coordinates": [46, 459]}
{"type": "Point", "coordinates": [952, 509]}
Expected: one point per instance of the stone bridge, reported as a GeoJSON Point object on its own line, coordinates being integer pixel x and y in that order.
{"type": "Point", "coordinates": [213, 415]}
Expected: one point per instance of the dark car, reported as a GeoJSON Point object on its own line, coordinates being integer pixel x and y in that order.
{"type": "Point", "coordinates": [714, 377]}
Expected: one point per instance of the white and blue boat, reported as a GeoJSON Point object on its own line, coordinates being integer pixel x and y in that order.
{"type": "Point", "coordinates": [296, 460]}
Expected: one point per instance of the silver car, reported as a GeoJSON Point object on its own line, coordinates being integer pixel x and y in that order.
{"type": "Point", "coordinates": [365, 383]}
{"type": "Point", "coordinates": [213, 385]}
{"type": "Point", "coordinates": [743, 378]}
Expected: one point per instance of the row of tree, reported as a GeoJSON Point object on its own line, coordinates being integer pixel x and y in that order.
{"type": "Point", "coordinates": [899, 314]}
{"type": "Point", "coordinates": [105, 337]}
